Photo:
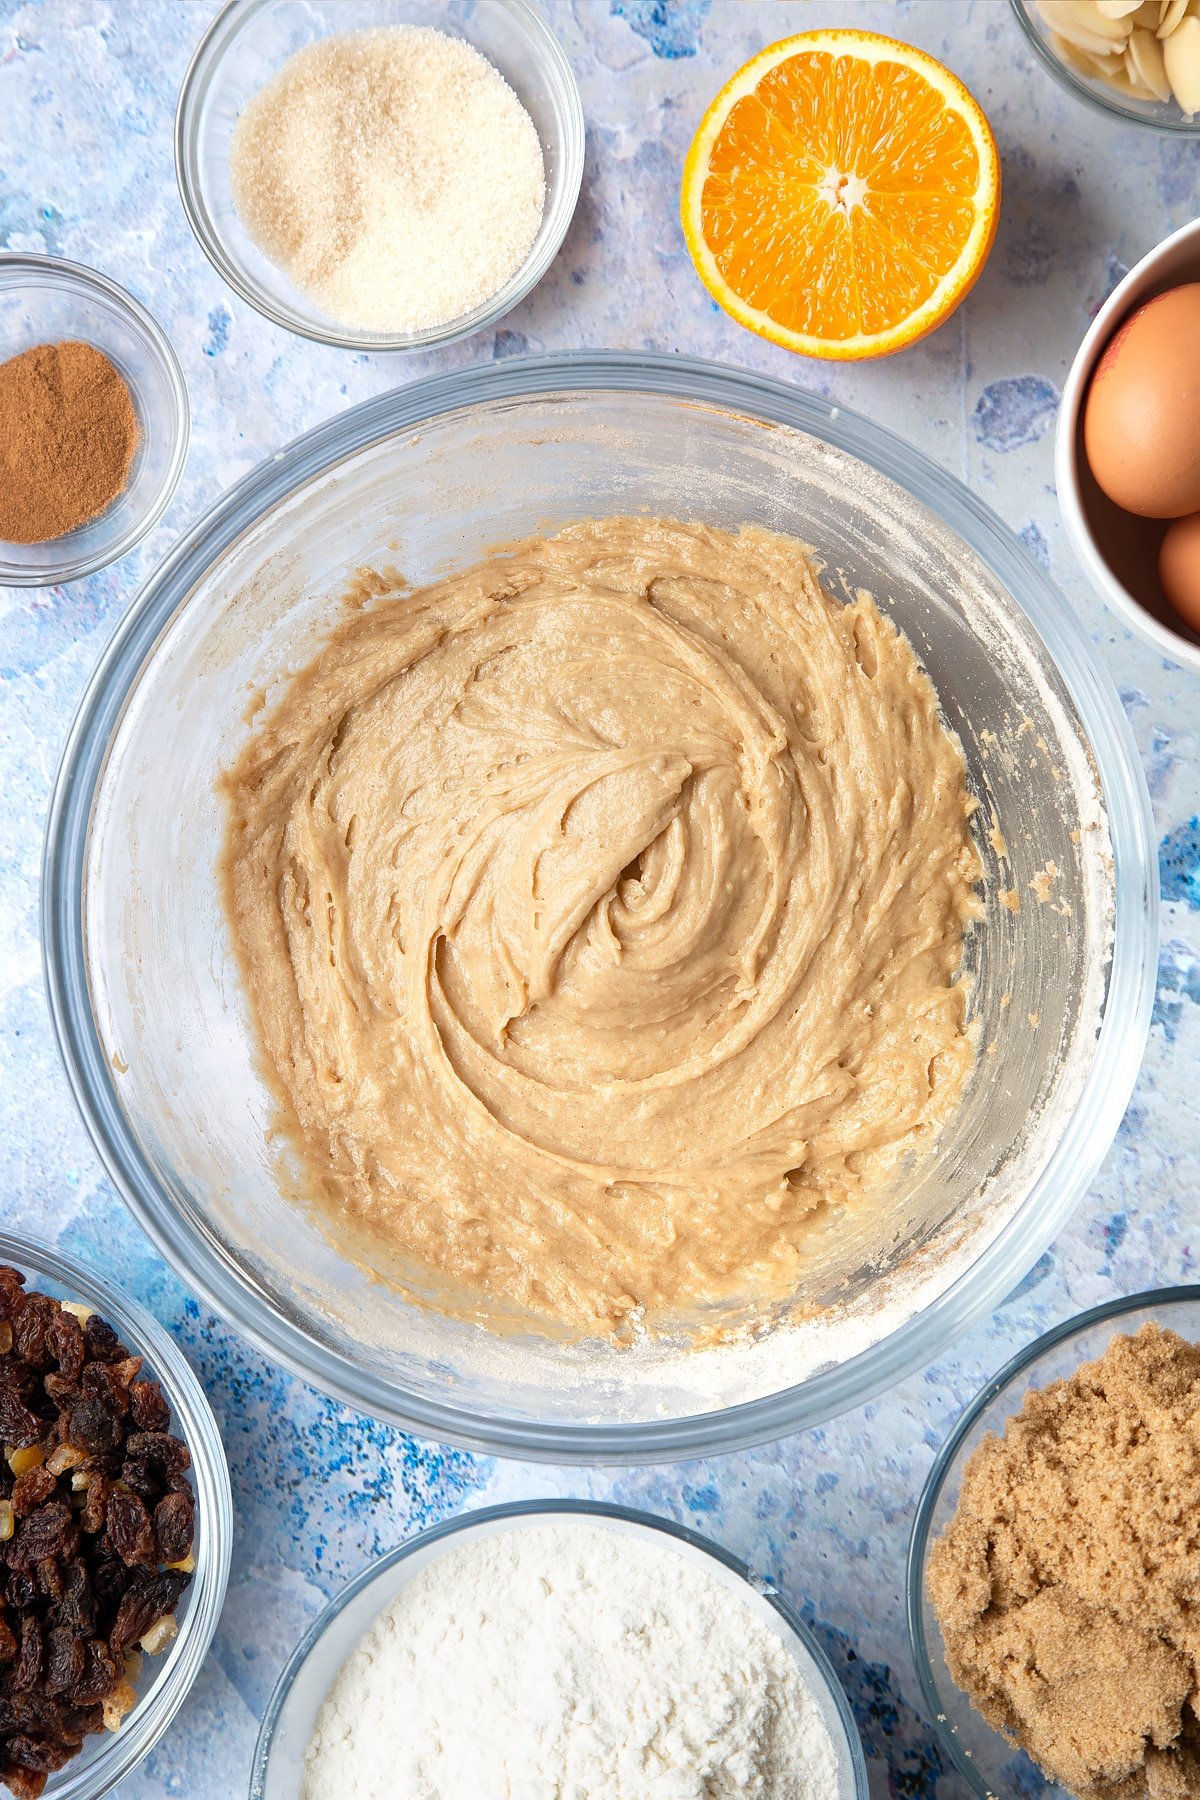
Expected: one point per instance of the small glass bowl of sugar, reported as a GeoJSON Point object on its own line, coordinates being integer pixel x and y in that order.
{"type": "Point", "coordinates": [346, 237]}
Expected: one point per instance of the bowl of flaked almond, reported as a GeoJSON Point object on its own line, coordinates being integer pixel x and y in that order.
{"type": "Point", "coordinates": [374, 176]}
{"type": "Point", "coordinates": [1137, 60]}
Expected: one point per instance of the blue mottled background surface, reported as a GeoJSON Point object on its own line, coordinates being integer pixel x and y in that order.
{"type": "Point", "coordinates": [87, 95]}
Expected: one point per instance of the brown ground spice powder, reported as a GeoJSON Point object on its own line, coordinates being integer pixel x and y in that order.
{"type": "Point", "coordinates": [68, 433]}
{"type": "Point", "coordinates": [1067, 1585]}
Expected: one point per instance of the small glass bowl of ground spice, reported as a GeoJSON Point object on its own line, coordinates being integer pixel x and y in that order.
{"type": "Point", "coordinates": [115, 1529]}
{"type": "Point", "coordinates": [1054, 1563]}
{"type": "Point", "coordinates": [93, 421]}
{"type": "Point", "coordinates": [380, 174]}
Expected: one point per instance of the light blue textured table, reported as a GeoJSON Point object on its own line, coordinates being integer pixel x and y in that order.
{"type": "Point", "coordinates": [87, 96]}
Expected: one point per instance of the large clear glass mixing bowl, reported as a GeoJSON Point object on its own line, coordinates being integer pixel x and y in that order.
{"type": "Point", "coordinates": [145, 990]}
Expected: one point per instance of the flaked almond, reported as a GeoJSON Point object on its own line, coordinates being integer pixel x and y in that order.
{"type": "Point", "coordinates": [1171, 16]}
{"type": "Point", "coordinates": [1181, 58]}
{"type": "Point", "coordinates": [1145, 62]}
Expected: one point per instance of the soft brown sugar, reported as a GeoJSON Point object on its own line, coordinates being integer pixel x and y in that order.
{"type": "Point", "coordinates": [1067, 1585]}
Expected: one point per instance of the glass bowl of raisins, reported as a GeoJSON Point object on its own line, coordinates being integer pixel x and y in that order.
{"type": "Point", "coordinates": [115, 1529]}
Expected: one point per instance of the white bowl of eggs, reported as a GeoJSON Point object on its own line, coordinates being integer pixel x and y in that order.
{"type": "Point", "coordinates": [1127, 453]}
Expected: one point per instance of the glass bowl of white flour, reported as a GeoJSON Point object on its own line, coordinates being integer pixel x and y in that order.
{"type": "Point", "coordinates": [573, 1648]}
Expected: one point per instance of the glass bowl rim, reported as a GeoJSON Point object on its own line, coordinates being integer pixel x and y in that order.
{"type": "Point", "coordinates": [194, 1421]}
{"type": "Point", "coordinates": [569, 1508]}
{"type": "Point", "coordinates": [918, 1544]}
{"type": "Point", "coordinates": [202, 72]}
{"type": "Point", "coordinates": [1051, 1196]}
{"type": "Point", "coordinates": [1176, 126]}
{"type": "Point", "coordinates": [78, 278]}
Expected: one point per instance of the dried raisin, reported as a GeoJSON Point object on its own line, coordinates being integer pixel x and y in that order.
{"type": "Point", "coordinates": [175, 1527]}
{"type": "Point", "coordinates": [150, 1410]}
{"type": "Point", "coordinates": [21, 1781]}
{"type": "Point", "coordinates": [66, 1660]}
{"type": "Point", "coordinates": [12, 1291]}
{"type": "Point", "coordinates": [67, 1344]}
{"type": "Point", "coordinates": [110, 1578]}
{"type": "Point", "coordinates": [93, 1426]}
{"type": "Point", "coordinates": [32, 1489]}
{"type": "Point", "coordinates": [27, 1670]}
{"type": "Point", "coordinates": [20, 1590]}
{"type": "Point", "coordinates": [31, 1330]}
{"type": "Point", "coordinates": [49, 1531]}
{"type": "Point", "coordinates": [19, 1426]}
{"type": "Point", "coordinates": [101, 1674]}
{"type": "Point", "coordinates": [109, 1383]}
{"type": "Point", "coordinates": [156, 1450]}
{"type": "Point", "coordinates": [39, 1753]}
{"type": "Point", "coordinates": [126, 1372]}
{"type": "Point", "coordinates": [48, 1575]}
{"type": "Point", "coordinates": [34, 1713]}
{"type": "Point", "coordinates": [148, 1598]}
{"type": "Point", "coordinates": [143, 1479]}
{"type": "Point", "coordinates": [103, 1344]}
{"type": "Point", "coordinates": [63, 1392]}
{"type": "Point", "coordinates": [76, 1607]}
{"type": "Point", "coordinates": [17, 1377]}
{"type": "Point", "coordinates": [131, 1529]}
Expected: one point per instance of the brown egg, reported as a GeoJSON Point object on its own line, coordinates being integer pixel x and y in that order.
{"type": "Point", "coordinates": [1179, 568]}
{"type": "Point", "coordinates": [1141, 419]}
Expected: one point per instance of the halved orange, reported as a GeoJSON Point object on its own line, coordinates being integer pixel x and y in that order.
{"type": "Point", "coordinates": [841, 194]}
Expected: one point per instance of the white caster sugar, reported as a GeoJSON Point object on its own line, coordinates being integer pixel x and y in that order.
{"type": "Point", "coordinates": [392, 174]}
{"type": "Point", "coordinates": [569, 1661]}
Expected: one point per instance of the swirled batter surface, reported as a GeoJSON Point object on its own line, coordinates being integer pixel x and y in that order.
{"type": "Point", "coordinates": [600, 909]}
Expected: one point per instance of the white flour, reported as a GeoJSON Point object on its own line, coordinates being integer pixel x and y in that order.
{"type": "Point", "coordinates": [569, 1661]}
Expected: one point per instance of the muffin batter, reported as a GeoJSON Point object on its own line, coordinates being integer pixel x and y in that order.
{"type": "Point", "coordinates": [600, 908]}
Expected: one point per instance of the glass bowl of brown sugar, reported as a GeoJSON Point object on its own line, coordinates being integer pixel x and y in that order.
{"type": "Point", "coordinates": [1070, 1450]}
{"type": "Point", "coordinates": [93, 421]}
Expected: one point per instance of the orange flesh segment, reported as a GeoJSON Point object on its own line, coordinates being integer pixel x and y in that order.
{"type": "Point", "coordinates": [770, 212]}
